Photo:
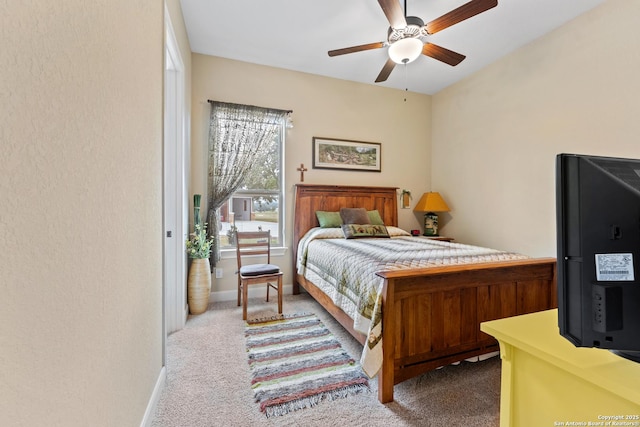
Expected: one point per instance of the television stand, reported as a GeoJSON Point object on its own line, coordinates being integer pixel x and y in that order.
{"type": "Point", "coordinates": [547, 381]}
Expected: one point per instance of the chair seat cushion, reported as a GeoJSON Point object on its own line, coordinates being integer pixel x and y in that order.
{"type": "Point", "coordinates": [259, 269]}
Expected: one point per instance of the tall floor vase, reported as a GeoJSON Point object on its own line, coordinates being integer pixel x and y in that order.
{"type": "Point", "coordinates": [199, 285]}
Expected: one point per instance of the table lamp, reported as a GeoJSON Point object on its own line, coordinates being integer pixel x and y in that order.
{"type": "Point", "coordinates": [430, 203]}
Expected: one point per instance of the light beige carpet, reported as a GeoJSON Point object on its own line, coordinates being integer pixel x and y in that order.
{"type": "Point", "coordinates": [208, 381]}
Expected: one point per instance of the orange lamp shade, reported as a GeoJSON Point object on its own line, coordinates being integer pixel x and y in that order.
{"type": "Point", "coordinates": [431, 202]}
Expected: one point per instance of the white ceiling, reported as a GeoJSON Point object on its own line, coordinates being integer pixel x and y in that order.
{"type": "Point", "coordinates": [296, 35]}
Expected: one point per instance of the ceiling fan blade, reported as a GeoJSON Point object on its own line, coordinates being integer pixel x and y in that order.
{"type": "Point", "coordinates": [466, 11]}
{"type": "Point", "coordinates": [353, 49]}
{"type": "Point", "coordinates": [386, 70]}
{"type": "Point", "coordinates": [393, 11]}
{"type": "Point", "coordinates": [441, 54]}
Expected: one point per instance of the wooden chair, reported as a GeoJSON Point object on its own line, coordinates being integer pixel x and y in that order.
{"type": "Point", "coordinates": [254, 243]}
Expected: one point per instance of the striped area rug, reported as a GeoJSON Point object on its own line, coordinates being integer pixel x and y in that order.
{"type": "Point", "coordinates": [296, 363]}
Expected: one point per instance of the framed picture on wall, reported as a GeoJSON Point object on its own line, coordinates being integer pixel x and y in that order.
{"type": "Point", "coordinates": [329, 153]}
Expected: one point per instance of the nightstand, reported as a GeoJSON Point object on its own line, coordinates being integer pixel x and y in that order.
{"type": "Point", "coordinates": [441, 238]}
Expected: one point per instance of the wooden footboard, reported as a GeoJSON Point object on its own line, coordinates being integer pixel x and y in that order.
{"type": "Point", "coordinates": [431, 317]}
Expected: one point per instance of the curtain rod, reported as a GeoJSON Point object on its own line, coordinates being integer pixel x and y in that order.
{"type": "Point", "coordinates": [266, 108]}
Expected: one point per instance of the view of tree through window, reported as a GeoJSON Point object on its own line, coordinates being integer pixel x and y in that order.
{"type": "Point", "coordinates": [256, 205]}
{"type": "Point", "coordinates": [265, 175]}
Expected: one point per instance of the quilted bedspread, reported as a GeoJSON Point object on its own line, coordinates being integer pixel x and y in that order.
{"type": "Point", "coordinates": [345, 270]}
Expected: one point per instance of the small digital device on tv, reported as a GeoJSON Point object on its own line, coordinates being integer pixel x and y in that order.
{"type": "Point", "coordinates": [598, 237]}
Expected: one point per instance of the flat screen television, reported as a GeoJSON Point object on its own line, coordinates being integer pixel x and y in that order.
{"type": "Point", "coordinates": [598, 237]}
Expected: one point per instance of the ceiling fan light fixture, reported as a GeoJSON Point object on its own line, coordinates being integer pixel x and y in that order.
{"type": "Point", "coordinates": [405, 50]}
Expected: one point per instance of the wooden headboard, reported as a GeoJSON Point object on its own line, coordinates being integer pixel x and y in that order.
{"type": "Point", "coordinates": [310, 198]}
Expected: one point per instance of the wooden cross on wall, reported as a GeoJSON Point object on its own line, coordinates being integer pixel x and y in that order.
{"type": "Point", "coordinates": [302, 170]}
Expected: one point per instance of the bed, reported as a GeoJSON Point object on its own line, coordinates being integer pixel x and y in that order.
{"type": "Point", "coordinates": [430, 316]}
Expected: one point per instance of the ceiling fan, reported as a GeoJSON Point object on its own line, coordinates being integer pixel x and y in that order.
{"type": "Point", "coordinates": [406, 35]}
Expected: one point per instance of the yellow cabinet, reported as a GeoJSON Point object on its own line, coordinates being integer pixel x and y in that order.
{"type": "Point", "coordinates": [547, 381]}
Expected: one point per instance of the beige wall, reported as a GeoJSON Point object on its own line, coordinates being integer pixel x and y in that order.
{"type": "Point", "coordinates": [496, 134]}
{"type": "Point", "coordinates": [81, 212]}
{"type": "Point", "coordinates": [321, 107]}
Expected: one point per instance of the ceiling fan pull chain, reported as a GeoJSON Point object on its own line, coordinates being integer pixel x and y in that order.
{"type": "Point", "coordinates": [406, 84]}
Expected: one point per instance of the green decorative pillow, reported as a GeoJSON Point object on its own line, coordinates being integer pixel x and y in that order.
{"type": "Point", "coordinates": [375, 218]}
{"type": "Point", "coordinates": [358, 231]}
{"type": "Point", "coordinates": [354, 216]}
{"type": "Point", "coordinates": [329, 219]}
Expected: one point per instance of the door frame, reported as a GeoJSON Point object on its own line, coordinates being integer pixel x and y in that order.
{"type": "Point", "coordinates": [175, 200]}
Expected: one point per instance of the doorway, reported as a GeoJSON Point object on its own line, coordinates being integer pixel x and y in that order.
{"type": "Point", "coordinates": [175, 203]}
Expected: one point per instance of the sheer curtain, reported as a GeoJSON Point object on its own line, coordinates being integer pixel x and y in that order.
{"type": "Point", "coordinates": [236, 134]}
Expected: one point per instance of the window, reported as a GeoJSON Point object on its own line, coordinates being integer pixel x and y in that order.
{"type": "Point", "coordinates": [244, 188]}
{"type": "Point", "coordinates": [257, 203]}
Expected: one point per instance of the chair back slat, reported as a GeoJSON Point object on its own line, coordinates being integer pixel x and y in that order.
{"type": "Point", "coordinates": [253, 243]}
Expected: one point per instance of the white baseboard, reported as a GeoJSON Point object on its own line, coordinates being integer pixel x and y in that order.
{"type": "Point", "coordinates": [254, 292]}
{"type": "Point", "coordinates": [155, 397]}
{"type": "Point", "coordinates": [483, 357]}
{"type": "Point", "coordinates": [488, 355]}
